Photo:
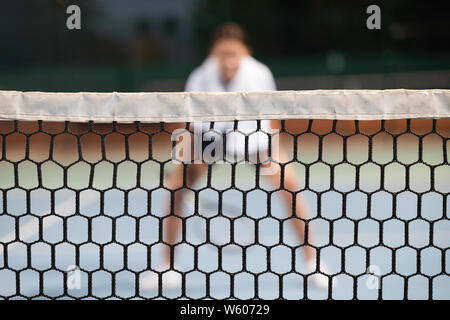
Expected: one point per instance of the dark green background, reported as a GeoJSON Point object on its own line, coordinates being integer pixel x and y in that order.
{"type": "Point", "coordinates": [294, 38]}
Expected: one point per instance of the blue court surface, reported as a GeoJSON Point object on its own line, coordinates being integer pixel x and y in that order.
{"type": "Point", "coordinates": [115, 243]}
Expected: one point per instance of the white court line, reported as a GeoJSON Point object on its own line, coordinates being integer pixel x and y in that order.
{"type": "Point", "coordinates": [63, 209]}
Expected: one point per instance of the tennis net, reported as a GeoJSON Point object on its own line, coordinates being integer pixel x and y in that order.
{"type": "Point", "coordinates": [111, 196]}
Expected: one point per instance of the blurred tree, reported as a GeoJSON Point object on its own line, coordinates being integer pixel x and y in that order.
{"type": "Point", "coordinates": [36, 32]}
{"type": "Point", "coordinates": [293, 27]}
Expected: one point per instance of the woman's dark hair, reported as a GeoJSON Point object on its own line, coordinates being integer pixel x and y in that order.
{"type": "Point", "coordinates": [229, 30]}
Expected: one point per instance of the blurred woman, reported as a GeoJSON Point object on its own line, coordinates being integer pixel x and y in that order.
{"type": "Point", "coordinates": [230, 67]}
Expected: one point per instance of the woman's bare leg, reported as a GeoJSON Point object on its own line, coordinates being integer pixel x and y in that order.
{"type": "Point", "coordinates": [301, 210]}
{"type": "Point", "coordinates": [289, 186]}
{"type": "Point", "coordinates": [173, 222]}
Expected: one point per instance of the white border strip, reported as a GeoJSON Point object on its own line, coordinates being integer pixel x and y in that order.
{"type": "Point", "coordinates": [182, 106]}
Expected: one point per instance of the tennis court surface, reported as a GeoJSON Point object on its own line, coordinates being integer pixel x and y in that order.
{"type": "Point", "coordinates": [85, 201]}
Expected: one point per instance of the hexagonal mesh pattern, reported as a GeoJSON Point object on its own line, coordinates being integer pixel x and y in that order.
{"type": "Point", "coordinates": [85, 210]}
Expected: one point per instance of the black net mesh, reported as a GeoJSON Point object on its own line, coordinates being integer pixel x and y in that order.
{"type": "Point", "coordinates": [358, 210]}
